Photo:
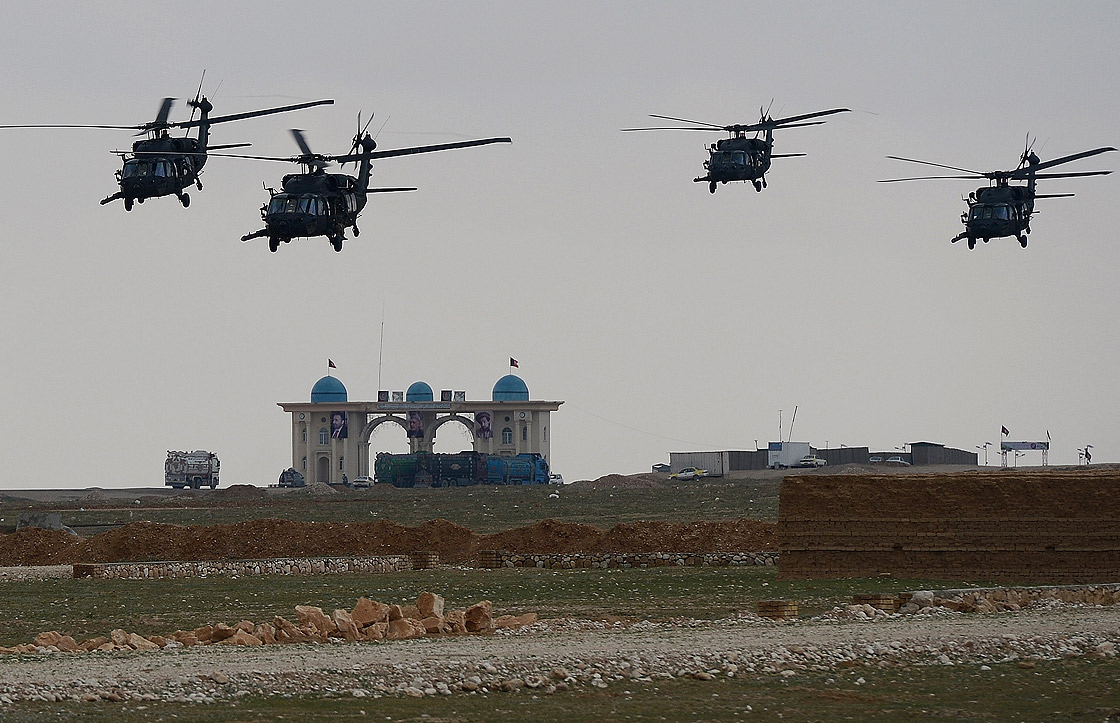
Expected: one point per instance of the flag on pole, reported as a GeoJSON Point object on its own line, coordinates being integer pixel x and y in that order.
{"type": "Point", "coordinates": [1004, 430]}
{"type": "Point", "coordinates": [330, 365]}
{"type": "Point", "coordinates": [512, 362]}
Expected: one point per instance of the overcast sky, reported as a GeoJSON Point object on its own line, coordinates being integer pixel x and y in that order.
{"type": "Point", "coordinates": [666, 318]}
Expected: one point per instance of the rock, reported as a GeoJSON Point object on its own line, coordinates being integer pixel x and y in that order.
{"type": "Point", "coordinates": [202, 635]}
{"type": "Point", "coordinates": [64, 643]}
{"type": "Point", "coordinates": [185, 637]}
{"type": "Point", "coordinates": [93, 643]}
{"type": "Point", "coordinates": [219, 677]}
{"type": "Point", "coordinates": [477, 617]}
{"type": "Point", "coordinates": [287, 632]}
{"type": "Point", "coordinates": [395, 613]}
{"type": "Point", "coordinates": [509, 622]}
{"type": "Point", "coordinates": [375, 631]}
{"type": "Point", "coordinates": [456, 620]}
{"type": "Point", "coordinates": [430, 605]}
{"type": "Point", "coordinates": [266, 633]}
{"type": "Point", "coordinates": [404, 629]}
{"type": "Point", "coordinates": [242, 638]}
{"type": "Point", "coordinates": [220, 632]}
{"type": "Point", "coordinates": [435, 625]}
{"type": "Point", "coordinates": [922, 598]}
{"type": "Point", "coordinates": [139, 642]}
{"type": "Point", "coordinates": [118, 637]}
{"type": "Point", "coordinates": [368, 611]}
{"type": "Point", "coordinates": [412, 612]}
{"type": "Point", "coordinates": [345, 624]}
{"type": "Point", "coordinates": [314, 617]}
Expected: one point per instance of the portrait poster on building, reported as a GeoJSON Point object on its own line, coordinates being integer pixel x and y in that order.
{"type": "Point", "coordinates": [339, 430]}
{"type": "Point", "coordinates": [482, 425]}
{"type": "Point", "coordinates": [415, 425]}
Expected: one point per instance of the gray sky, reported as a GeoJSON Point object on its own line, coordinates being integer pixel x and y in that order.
{"type": "Point", "coordinates": [667, 319]}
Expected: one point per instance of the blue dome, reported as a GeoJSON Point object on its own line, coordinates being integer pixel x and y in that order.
{"type": "Point", "coordinates": [511, 388]}
{"type": "Point", "coordinates": [419, 392]}
{"type": "Point", "coordinates": [328, 389]}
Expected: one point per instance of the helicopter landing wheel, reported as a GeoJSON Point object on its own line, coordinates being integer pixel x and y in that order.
{"type": "Point", "coordinates": [763, 182]}
{"type": "Point", "coordinates": [140, 200]}
{"type": "Point", "coordinates": [198, 184]}
{"type": "Point", "coordinates": [986, 240]}
{"type": "Point", "coordinates": [971, 243]}
{"type": "Point", "coordinates": [185, 199]}
{"type": "Point", "coordinates": [712, 187]}
{"type": "Point", "coordinates": [356, 231]}
{"type": "Point", "coordinates": [1023, 240]}
{"type": "Point", "coordinates": [273, 243]}
{"type": "Point", "coordinates": [128, 204]}
{"type": "Point", "coordinates": [336, 242]}
{"type": "Point", "coordinates": [758, 186]}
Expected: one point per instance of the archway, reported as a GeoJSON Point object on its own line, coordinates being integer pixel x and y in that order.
{"type": "Point", "coordinates": [456, 438]}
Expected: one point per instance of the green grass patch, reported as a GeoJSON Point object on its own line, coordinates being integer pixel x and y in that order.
{"type": "Point", "coordinates": [87, 608]}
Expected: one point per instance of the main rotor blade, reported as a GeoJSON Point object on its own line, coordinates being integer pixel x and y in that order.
{"type": "Point", "coordinates": [426, 149]}
{"type": "Point", "coordinates": [928, 178]}
{"type": "Point", "coordinates": [164, 111]}
{"type": "Point", "coordinates": [228, 145]}
{"type": "Point", "coordinates": [1066, 175]}
{"type": "Point", "coordinates": [938, 165]}
{"type": "Point", "coordinates": [73, 125]}
{"type": "Point", "coordinates": [673, 128]}
{"type": "Point", "coordinates": [302, 142]}
{"type": "Point", "coordinates": [1063, 159]}
{"type": "Point", "coordinates": [686, 120]}
{"type": "Point", "coordinates": [254, 113]}
{"type": "Point", "coordinates": [795, 118]}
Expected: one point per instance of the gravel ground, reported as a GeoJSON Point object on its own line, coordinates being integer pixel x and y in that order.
{"type": "Point", "coordinates": [35, 572]}
{"type": "Point", "coordinates": [553, 656]}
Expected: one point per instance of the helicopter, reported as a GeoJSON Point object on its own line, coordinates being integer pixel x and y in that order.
{"type": "Point", "coordinates": [163, 165]}
{"type": "Point", "coordinates": [1001, 209]}
{"type": "Point", "coordinates": [737, 157]}
{"type": "Point", "coordinates": [316, 203]}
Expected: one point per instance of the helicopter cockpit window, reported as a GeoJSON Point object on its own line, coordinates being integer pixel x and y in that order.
{"type": "Point", "coordinates": [739, 158]}
{"type": "Point", "coordinates": [135, 169]}
{"type": "Point", "coordinates": [1000, 212]}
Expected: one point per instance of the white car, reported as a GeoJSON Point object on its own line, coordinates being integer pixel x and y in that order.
{"type": "Point", "coordinates": [811, 460]}
{"type": "Point", "coordinates": [362, 482]}
{"type": "Point", "coordinates": [898, 460]}
{"type": "Point", "coordinates": [689, 473]}
{"type": "Point", "coordinates": [555, 478]}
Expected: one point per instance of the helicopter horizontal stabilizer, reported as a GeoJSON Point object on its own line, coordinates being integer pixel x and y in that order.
{"type": "Point", "coordinates": [388, 190]}
{"type": "Point", "coordinates": [1053, 195]}
{"type": "Point", "coordinates": [787, 155]}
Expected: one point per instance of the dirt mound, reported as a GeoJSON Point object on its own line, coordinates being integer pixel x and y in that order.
{"type": "Point", "coordinates": [546, 536]}
{"type": "Point", "coordinates": [238, 494]}
{"type": "Point", "coordinates": [612, 481]}
{"type": "Point", "coordinates": [267, 538]}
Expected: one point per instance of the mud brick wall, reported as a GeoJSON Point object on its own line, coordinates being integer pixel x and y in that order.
{"type": "Point", "coordinates": [1040, 526]}
{"type": "Point", "coordinates": [245, 568]}
{"type": "Point", "coordinates": [605, 560]}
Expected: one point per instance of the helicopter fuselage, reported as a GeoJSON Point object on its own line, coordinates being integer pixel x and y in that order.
{"type": "Point", "coordinates": [160, 167]}
{"type": "Point", "coordinates": [738, 159]}
{"type": "Point", "coordinates": [997, 211]}
{"type": "Point", "coordinates": [313, 204]}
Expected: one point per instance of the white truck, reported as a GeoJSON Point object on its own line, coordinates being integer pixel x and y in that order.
{"type": "Point", "coordinates": [191, 469]}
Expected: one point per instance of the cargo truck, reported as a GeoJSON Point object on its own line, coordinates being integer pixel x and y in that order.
{"type": "Point", "coordinates": [191, 469]}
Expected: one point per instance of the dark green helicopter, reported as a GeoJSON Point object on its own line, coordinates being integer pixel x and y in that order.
{"type": "Point", "coordinates": [1001, 209]}
{"type": "Point", "coordinates": [316, 203]}
{"type": "Point", "coordinates": [165, 165]}
{"type": "Point", "coordinates": [737, 157]}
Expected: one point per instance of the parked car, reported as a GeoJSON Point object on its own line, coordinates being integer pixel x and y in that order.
{"type": "Point", "coordinates": [897, 460]}
{"type": "Point", "coordinates": [362, 482]}
{"type": "Point", "coordinates": [875, 460]}
{"type": "Point", "coordinates": [810, 460]}
{"type": "Point", "coordinates": [555, 478]}
{"type": "Point", "coordinates": [689, 473]}
{"type": "Point", "coordinates": [662, 468]}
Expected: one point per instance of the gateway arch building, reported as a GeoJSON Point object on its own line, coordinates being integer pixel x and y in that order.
{"type": "Point", "coordinates": [330, 434]}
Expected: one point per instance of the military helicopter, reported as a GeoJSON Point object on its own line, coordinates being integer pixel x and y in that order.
{"type": "Point", "coordinates": [1001, 209]}
{"type": "Point", "coordinates": [737, 157]}
{"type": "Point", "coordinates": [162, 165]}
{"type": "Point", "coordinates": [316, 203]}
